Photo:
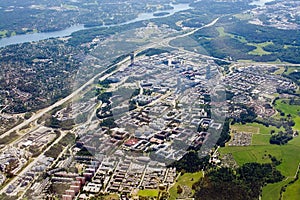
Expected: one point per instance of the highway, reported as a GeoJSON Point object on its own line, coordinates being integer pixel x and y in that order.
{"type": "Point", "coordinates": [41, 112]}
{"type": "Point", "coordinates": [62, 101]}
{"type": "Point", "coordinates": [162, 42]}
{"type": "Point", "coordinates": [102, 76]}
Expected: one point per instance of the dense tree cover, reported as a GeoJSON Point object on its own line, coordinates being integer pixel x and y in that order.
{"type": "Point", "coordinates": [28, 115]}
{"type": "Point", "coordinates": [196, 22]}
{"type": "Point", "coordinates": [57, 148]}
{"type": "Point", "coordinates": [104, 112]}
{"type": "Point", "coordinates": [290, 54]}
{"type": "Point", "coordinates": [248, 115]}
{"type": "Point", "coordinates": [36, 75]}
{"type": "Point", "coordinates": [225, 133]}
{"type": "Point", "coordinates": [191, 162]}
{"type": "Point", "coordinates": [7, 197]}
{"type": "Point", "coordinates": [229, 95]}
{"type": "Point", "coordinates": [55, 123]}
{"type": "Point", "coordinates": [294, 101]}
{"type": "Point", "coordinates": [280, 138]}
{"type": "Point", "coordinates": [160, 14]}
{"type": "Point", "coordinates": [87, 35]}
{"type": "Point", "coordinates": [237, 47]}
{"type": "Point", "coordinates": [152, 51]}
{"type": "Point", "coordinates": [8, 138]}
{"type": "Point", "coordinates": [259, 34]}
{"type": "Point", "coordinates": [85, 152]}
{"type": "Point", "coordinates": [286, 121]}
{"type": "Point", "coordinates": [108, 122]}
{"type": "Point", "coordinates": [273, 47]}
{"type": "Point", "coordinates": [26, 16]}
{"type": "Point", "coordinates": [243, 184]}
{"type": "Point", "coordinates": [104, 97]}
{"type": "Point", "coordinates": [294, 76]}
{"type": "Point", "coordinates": [54, 151]}
{"type": "Point", "coordinates": [269, 122]}
{"type": "Point", "coordinates": [170, 21]}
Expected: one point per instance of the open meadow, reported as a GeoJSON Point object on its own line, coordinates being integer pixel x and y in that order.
{"type": "Point", "coordinates": [259, 151]}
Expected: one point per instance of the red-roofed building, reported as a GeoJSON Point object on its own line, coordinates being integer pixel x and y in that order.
{"type": "Point", "coordinates": [131, 142]}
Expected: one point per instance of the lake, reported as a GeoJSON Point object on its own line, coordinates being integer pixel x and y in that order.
{"type": "Point", "coordinates": [18, 39]}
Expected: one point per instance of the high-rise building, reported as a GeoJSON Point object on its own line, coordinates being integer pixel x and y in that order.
{"type": "Point", "coordinates": [132, 58]}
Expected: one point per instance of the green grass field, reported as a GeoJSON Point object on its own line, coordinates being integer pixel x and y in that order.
{"type": "Point", "coordinates": [272, 191]}
{"type": "Point", "coordinates": [289, 154]}
{"type": "Point", "coordinates": [261, 134]}
{"type": "Point", "coordinates": [3, 33]}
{"type": "Point", "coordinates": [279, 71]}
{"type": "Point", "coordinates": [222, 33]}
{"type": "Point", "coordinates": [260, 149]}
{"type": "Point", "coordinates": [292, 69]}
{"type": "Point", "coordinates": [259, 48]}
{"type": "Point", "coordinates": [148, 193]}
{"type": "Point", "coordinates": [254, 128]}
{"type": "Point", "coordinates": [245, 128]}
{"type": "Point", "coordinates": [187, 179]}
{"type": "Point", "coordinates": [292, 191]}
{"type": "Point", "coordinates": [244, 16]}
{"type": "Point", "coordinates": [258, 139]}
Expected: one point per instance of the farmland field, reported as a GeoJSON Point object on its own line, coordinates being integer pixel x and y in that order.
{"type": "Point", "coordinates": [292, 191]}
{"type": "Point", "coordinates": [288, 154]}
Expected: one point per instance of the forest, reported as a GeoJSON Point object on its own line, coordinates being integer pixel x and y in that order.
{"type": "Point", "coordinates": [241, 38]}
{"type": "Point", "coordinates": [243, 183]}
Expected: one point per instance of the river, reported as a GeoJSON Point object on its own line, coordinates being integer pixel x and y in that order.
{"type": "Point", "coordinates": [18, 39]}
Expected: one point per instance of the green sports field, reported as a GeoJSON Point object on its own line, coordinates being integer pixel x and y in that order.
{"type": "Point", "coordinates": [148, 193]}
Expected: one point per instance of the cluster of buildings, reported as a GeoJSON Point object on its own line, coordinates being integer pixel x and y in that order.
{"type": "Point", "coordinates": [27, 177]}
{"type": "Point", "coordinates": [255, 86]}
{"type": "Point", "coordinates": [174, 100]}
{"type": "Point", "coordinates": [240, 139]}
{"type": "Point", "coordinates": [88, 181]}
{"type": "Point", "coordinates": [282, 15]}
{"type": "Point", "coordinates": [177, 108]}
{"type": "Point", "coordinates": [141, 173]}
{"type": "Point", "coordinates": [15, 158]}
{"type": "Point", "coordinates": [7, 121]}
{"type": "Point", "coordinates": [87, 176]}
{"type": "Point", "coordinates": [63, 175]}
{"type": "Point", "coordinates": [2, 178]}
{"type": "Point", "coordinates": [12, 160]}
{"type": "Point", "coordinates": [36, 140]}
